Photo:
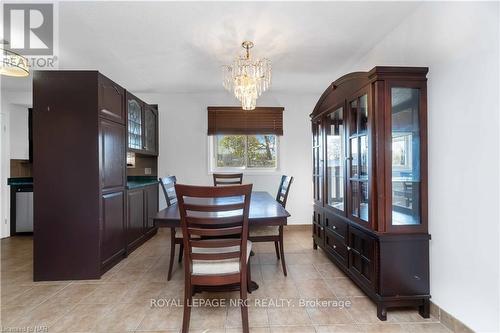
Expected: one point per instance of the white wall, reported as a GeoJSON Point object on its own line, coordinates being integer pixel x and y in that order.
{"type": "Point", "coordinates": [459, 42]}
{"type": "Point", "coordinates": [184, 143]}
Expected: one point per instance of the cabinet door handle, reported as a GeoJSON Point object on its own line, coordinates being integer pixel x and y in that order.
{"type": "Point", "coordinates": [334, 228]}
{"type": "Point", "coordinates": [334, 247]}
{"type": "Point", "coordinates": [348, 248]}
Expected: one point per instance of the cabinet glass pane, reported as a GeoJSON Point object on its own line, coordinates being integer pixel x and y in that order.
{"type": "Point", "coordinates": [134, 124]}
{"type": "Point", "coordinates": [150, 129]}
{"type": "Point", "coordinates": [363, 204]}
{"type": "Point", "coordinates": [364, 156]}
{"type": "Point", "coordinates": [405, 156]}
{"type": "Point", "coordinates": [363, 114]}
{"type": "Point", "coordinates": [354, 157]}
{"type": "Point", "coordinates": [354, 117]}
{"type": "Point", "coordinates": [335, 158]}
{"type": "Point", "coordinates": [354, 198]}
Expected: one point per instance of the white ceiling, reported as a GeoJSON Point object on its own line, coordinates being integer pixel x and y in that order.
{"type": "Point", "coordinates": [165, 47]}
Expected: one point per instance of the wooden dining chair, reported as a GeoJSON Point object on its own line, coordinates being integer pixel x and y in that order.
{"type": "Point", "coordinates": [168, 186]}
{"type": "Point", "coordinates": [228, 179]}
{"type": "Point", "coordinates": [274, 233]}
{"type": "Point", "coordinates": [208, 216]}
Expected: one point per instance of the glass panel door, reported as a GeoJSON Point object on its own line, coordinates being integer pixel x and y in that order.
{"type": "Point", "coordinates": [317, 161]}
{"type": "Point", "coordinates": [359, 158]}
{"type": "Point", "coordinates": [405, 114]}
{"type": "Point", "coordinates": [134, 124]}
{"type": "Point", "coordinates": [335, 156]}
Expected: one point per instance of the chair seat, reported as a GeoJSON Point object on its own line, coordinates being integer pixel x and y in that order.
{"type": "Point", "coordinates": [265, 230]}
{"type": "Point", "coordinates": [218, 267]}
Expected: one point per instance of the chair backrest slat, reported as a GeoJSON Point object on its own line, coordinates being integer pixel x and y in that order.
{"type": "Point", "coordinates": [213, 208]}
{"type": "Point", "coordinates": [215, 232]}
{"type": "Point", "coordinates": [215, 256]}
{"type": "Point", "coordinates": [220, 216]}
{"type": "Point", "coordinates": [219, 221]}
{"type": "Point", "coordinates": [168, 187]}
{"type": "Point", "coordinates": [284, 189]}
{"type": "Point", "coordinates": [227, 179]}
{"type": "Point", "coordinates": [211, 243]}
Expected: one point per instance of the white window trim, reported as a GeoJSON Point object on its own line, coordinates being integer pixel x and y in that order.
{"type": "Point", "coordinates": [247, 171]}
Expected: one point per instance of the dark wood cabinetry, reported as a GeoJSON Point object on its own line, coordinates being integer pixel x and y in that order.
{"type": "Point", "coordinates": [142, 126]}
{"type": "Point", "coordinates": [151, 129]}
{"type": "Point", "coordinates": [369, 150]}
{"type": "Point", "coordinates": [82, 205]}
{"type": "Point", "coordinates": [142, 207]}
{"type": "Point", "coordinates": [112, 227]}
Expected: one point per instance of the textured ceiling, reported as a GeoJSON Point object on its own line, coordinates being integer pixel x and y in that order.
{"type": "Point", "coordinates": [179, 47]}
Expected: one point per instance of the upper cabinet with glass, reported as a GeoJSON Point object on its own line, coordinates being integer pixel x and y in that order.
{"type": "Point", "coordinates": [371, 128]}
{"type": "Point", "coordinates": [142, 126]}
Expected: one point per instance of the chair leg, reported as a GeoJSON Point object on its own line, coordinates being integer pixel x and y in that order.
{"type": "Point", "coordinates": [249, 276]}
{"type": "Point", "coordinates": [277, 250]}
{"type": "Point", "coordinates": [282, 251]}
{"type": "Point", "coordinates": [181, 251]}
{"type": "Point", "coordinates": [244, 308]}
{"type": "Point", "coordinates": [172, 253]}
{"type": "Point", "coordinates": [186, 316]}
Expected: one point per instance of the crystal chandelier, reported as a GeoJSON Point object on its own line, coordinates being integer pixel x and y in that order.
{"type": "Point", "coordinates": [247, 78]}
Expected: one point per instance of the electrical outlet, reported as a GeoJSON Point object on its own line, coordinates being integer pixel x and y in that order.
{"type": "Point", "coordinates": [147, 171]}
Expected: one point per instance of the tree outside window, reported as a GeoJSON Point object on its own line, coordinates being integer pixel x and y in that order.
{"type": "Point", "coordinates": [246, 151]}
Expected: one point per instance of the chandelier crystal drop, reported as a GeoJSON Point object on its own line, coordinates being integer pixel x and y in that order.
{"type": "Point", "coordinates": [247, 78]}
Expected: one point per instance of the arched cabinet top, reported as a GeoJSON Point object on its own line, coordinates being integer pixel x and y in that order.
{"type": "Point", "coordinates": [348, 84]}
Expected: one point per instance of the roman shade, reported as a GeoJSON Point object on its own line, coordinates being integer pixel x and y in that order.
{"type": "Point", "coordinates": [235, 120]}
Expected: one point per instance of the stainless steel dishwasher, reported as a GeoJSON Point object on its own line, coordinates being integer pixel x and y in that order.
{"type": "Point", "coordinates": [24, 210]}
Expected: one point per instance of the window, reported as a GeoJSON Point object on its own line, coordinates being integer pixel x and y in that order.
{"type": "Point", "coordinates": [245, 152]}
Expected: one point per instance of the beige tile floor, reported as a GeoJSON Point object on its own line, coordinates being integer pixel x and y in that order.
{"type": "Point", "coordinates": [121, 300]}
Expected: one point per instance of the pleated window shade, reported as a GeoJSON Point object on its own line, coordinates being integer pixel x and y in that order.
{"type": "Point", "coordinates": [235, 120]}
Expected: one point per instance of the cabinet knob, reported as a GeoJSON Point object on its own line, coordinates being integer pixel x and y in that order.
{"type": "Point", "coordinates": [348, 248]}
{"type": "Point", "coordinates": [334, 228]}
{"type": "Point", "coordinates": [334, 247]}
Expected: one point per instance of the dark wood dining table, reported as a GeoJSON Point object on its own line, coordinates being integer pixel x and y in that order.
{"type": "Point", "coordinates": [264, 210]}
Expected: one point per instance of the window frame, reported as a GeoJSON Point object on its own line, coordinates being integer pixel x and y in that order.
{"type": "Point", "coordinates": [212, 158]}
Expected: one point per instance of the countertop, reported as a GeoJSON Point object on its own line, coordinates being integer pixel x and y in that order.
{"type": "Point", "coordinates": [140, 181]}
{"type": "Point", "coordinates": [132, 181]}
{"type": "Point", "coordinates": [20, 181]}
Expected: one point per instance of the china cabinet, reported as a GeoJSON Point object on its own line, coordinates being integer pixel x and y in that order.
{"type": "Point", "coordinates": [369, 145]}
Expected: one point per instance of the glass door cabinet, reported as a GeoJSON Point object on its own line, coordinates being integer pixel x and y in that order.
{"type": "Point", "coordinates": [369, 147]}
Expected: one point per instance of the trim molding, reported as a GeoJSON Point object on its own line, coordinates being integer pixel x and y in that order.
{"type": "Point", "coordinates": [450, 322]}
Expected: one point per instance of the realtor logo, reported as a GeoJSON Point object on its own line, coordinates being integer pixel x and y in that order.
{"type": "Point", "coordinates": [29, 28]}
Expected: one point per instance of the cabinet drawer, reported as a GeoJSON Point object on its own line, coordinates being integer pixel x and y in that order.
{"type": "Point", "coordinates": [336, 246]}
{"type": "Point", "coordinates": [336, 225]}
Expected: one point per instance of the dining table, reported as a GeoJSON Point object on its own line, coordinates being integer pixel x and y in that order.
{"type": "Point", "coordinates": [264, 211]}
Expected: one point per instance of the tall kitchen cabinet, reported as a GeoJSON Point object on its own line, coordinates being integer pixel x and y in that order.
{"type": "Point", "coordinates": [80, 147]}
{"type": "Point", "coordinates": [369, 148]}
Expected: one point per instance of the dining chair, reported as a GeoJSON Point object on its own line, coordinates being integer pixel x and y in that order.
{"type": "Point", "coordinates": [208, 216]}
{"type": "Point", "coordinates": [168, 186]}
{"type": "Point", "coordinates": [228, 179]}
{"type": "Point", "coordinates": [274, 233]}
